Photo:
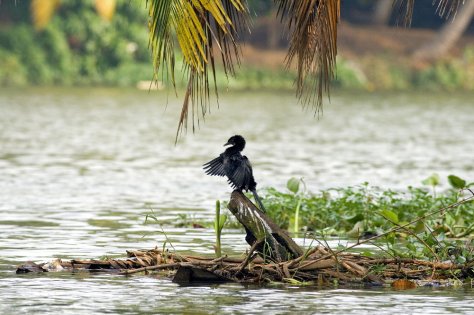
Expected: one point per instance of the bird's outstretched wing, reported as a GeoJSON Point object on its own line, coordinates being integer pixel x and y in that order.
{"type": "Point", "coordinates": [241, 177]}
{"type": "Point", "coordinates": [215, 167]}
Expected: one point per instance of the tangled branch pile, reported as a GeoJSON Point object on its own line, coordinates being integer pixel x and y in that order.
{"type": "Point", "coordinates": [319, 266]}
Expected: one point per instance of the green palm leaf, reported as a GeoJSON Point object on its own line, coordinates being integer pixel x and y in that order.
{"type": "Point", "coordinates": [197, 25]}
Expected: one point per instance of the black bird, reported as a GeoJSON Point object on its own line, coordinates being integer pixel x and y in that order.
{"type": "Point", "coordinates": [235, 166]}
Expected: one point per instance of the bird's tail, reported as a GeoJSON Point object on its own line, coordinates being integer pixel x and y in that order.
{"type": "Point", "coordinates": [257, 199]}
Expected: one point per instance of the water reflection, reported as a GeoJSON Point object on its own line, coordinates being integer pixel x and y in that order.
{"type": "Point", "coordinates": [80, 169]}
{"type": "Point", "coordinates": [82, 293]}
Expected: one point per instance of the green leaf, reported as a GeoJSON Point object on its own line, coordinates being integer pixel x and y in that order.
{"type": "Point", "coordinates": [456, 182]}
{"type": "Point", "coordinates": [354, 219]}
{"type": "Point", "coordinates": [356, 230]}
{"type": "Point", "coordinates": [431, 240]}
{"type": "Point", "coordinates": [293, 185]}
{"type": "Point", "coordinates": [419, 227]}
{"type": "Point", "coordinates": [390, 238]}
{"type": "Point", "coordinates": [222, 221]}
{"type": "Point", "coordinates": [461, 259]}
{"type": "Point", "coordinates": [433, 180]}
{"type": "Point", "coordinates": [367, 253]}
{"type": "Point", "coordinates": [411, 247]}
{"type": "Point", "coordinates": [390, 215]}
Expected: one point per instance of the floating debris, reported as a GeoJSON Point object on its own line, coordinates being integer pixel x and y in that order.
{"type": "Point", "coordinates": [318, 266]}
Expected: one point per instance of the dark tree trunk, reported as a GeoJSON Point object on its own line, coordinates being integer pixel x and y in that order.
{"type": "Point", "coordinates": [271, 241]}
{"type": "Point", "coordinates": [274, 32]}
{"type": "Point", "coordinates": [382, 12]}
{"type": "Point", "coordinates": [448, 35]}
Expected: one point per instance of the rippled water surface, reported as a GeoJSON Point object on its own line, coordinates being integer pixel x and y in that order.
{"type": "Point", "coordinates": [80, 169]}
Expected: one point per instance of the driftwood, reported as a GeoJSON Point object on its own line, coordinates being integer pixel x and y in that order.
{"type": "Point", "coordinates": [345, 268]}
{"type": "Point", "coordinates": [269, 239]}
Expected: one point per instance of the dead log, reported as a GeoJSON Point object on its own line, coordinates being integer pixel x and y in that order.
{"type": "Point", "coordinates": [187, 274]}
{"type": "Point", "coordinates": [30, 266]}
{"type": "Point", "coordinates": [347, 269]}
{"type": "Point", "coordinates": [273, 243]}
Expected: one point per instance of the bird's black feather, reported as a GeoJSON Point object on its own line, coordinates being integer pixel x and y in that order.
{"type": "Point", "coordinates": [235, 166]}
{"type": "Point", "coordinates": [240, 173]}
{"type": "Point", "coordinates": [215, 167]}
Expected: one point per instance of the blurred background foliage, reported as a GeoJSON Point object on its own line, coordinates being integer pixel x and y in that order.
{"type": "Point", "coordinates": [84, 44]}
{"type": "Point", "coordinates": [77, 46]}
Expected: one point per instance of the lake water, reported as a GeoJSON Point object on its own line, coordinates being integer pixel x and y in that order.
{"type": "Point", "coordinates": [80, 169]}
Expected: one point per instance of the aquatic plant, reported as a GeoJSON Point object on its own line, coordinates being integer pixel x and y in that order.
{"type": "Point", "coordinates": [365, 212]}
{"type": "Point", "coordinates": [337, 211]}
{"type": "Point", "coordinates": [293, 185]}
{"type": "Point", "coordinates": [219, 222]}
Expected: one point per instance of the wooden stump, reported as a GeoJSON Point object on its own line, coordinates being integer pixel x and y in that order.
{"type": "Point", "coordinates": [272, 242]}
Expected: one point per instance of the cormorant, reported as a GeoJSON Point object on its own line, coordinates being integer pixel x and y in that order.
{"type": "Point", "coordinates": [235, 166]}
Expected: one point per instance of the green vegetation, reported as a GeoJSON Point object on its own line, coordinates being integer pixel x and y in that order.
{"type": "Point", "coordinates": [386, 72]}
{"type": "Point", "coordinates": [339, 211]}
{"type": "Point", "coordinates": [364, 211]}
{"type": "Point", "coordinates": [78, 47]}
{"type": "Point", "coordinates": [439, 230]}
{"type": "Point", "coordinates": [219, 222]}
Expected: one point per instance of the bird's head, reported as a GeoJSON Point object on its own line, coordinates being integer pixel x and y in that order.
{"type": "Point", "coordinates": [236, 141]}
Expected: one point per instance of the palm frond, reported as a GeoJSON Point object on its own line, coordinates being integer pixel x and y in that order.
{"type": "Point", "coordinates": [313, 43]}
{"type": "Point", "coordinates": [445, 8]}
{"type": "Point", "coordinates": [405, 11]}
{"type": "Point", "coordinates": [197, 25]}
{"type": "Point", "coordinates": [448, 8]}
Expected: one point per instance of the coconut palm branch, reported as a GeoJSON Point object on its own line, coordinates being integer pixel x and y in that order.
{"type": "Point", "coordinates": [445, 8]}
{"type": "Point", "coordinates": [208, 29]}
{"type": "Point", "coordinates": [313, 43]}
{"type": "Point", "coordinates": [197, 26]}
{"type": "Point", "coordinates": [448, 8]}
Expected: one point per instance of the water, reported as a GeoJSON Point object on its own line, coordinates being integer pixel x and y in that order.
{"type": "Point", "coordinates": [80, 169]}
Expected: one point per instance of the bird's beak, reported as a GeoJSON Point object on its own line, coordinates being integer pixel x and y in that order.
{"type": "Point", "coordinates": [228, 143]}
